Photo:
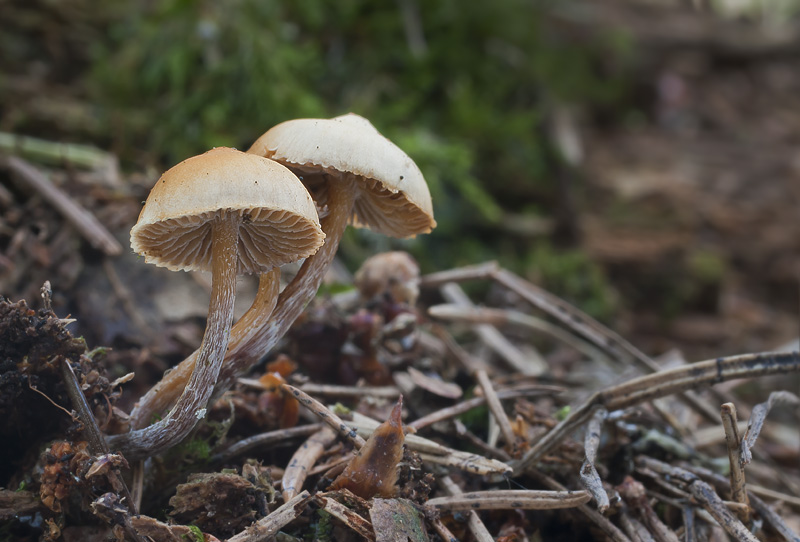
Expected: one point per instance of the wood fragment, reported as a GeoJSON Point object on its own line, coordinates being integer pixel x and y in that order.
{"type": "Point", "coordinates": [303, 460]}
{"type": "Point", "coordinates": [85, 222]}
{"type": "Point", "coordinates": [734, 445]}
{"type": "Point", "coordinates": [759, 415]}
{"type": "Point", "coordinates": [267, 527]}
{"type": "Point", "coordinates": [507, 499]}
{"type": "Point", "coordinates": [357, 523]}
{"type": "Point", "coordinates": [333, 390]}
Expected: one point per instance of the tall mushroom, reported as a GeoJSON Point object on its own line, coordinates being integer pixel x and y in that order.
{"type": "Point", "coordinates": [356, 175]}
{"type": "Point", "coordinates": [230, 213]}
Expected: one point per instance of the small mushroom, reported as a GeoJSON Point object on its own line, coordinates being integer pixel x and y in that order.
{"type": "Point", "coordinates": [230, 213]}
{"type": "Point", "coordinates": [356, 176]}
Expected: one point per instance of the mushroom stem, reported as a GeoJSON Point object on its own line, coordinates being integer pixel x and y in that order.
{"type": "Point", "coordinates": [257, 332]}
{"type": "Point", "coordinates": [191, 405]}
{"type": "Point", "coordinates": [161, 396]}
{"type": "Point", "coordinates": [299, 292]}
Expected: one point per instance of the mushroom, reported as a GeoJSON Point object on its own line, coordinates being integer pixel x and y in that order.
{"type": "Point", "coordinates": [230, 213]}
{"type": "Point", "coordinates": [356, 175]}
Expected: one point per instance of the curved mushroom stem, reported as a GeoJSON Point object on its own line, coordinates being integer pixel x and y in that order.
{"type": "Point", "coordinates": [161, 396]}
{"type": "Point", "coordinates": [191, 405]}
{"type": "Point", "coordinates": [257, 332]}
{"type": "Point", "coordinates": [299, 292]}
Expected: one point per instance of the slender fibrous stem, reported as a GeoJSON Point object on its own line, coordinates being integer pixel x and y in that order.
{"type": "Point", "coordinates": [191, 405]}
{"type": "Point", "coordinates": [257, 332]}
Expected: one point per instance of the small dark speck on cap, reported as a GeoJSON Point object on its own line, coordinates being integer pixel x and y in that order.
{"type": "Point", "coordinates": [401, 177]}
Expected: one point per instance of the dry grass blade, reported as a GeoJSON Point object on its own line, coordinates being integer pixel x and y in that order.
{"type": "Point", "coordinates": [505, 499]}
{"type": "Point", "coordinates": [267, 527]}
{"type": "Point", "coordinates": [646, 388]}
{"type": "Point", "coordinates": [590, 479]}
{"type": "Point", "coordinates": [433, 452]}
{"type": "Point", "coordinates": [757, 418]}
{"type": "Point", "coordinates": [333, 390]}
{"type": "Point", "coordinates": [346, 516]}
{"type": "Point", "coordinates": [532, 365]}
{"type": "Point", "coordinates": [474, 523]}
{"type": "Point", "coordinates": [733, 443]}
{"type": "Point", "coordinates": [325, 414]}
{"type": "Point", "coordinates": [304, 459]}
{"type": "Point", "coordinates": [83, 221]}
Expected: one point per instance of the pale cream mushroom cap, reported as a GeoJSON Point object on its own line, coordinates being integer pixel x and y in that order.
{"type": "Point", "coordinates": [279, 218]}
{"type": "Point", "coordinates": [393, 197]}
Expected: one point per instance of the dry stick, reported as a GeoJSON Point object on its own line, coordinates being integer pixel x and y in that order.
{"type": "Point", "coordinates": [267, 527]}
{"type": "Point", "coordinates": [532, 365]}
{"type": "Point", "coordinates": [469, 404]}
{"type": "Point", "coordinates": [474, 523]}
{"type": "Point", "coordinates": [506, 499]}
{"type": "Point", "coordinates": [468, 361]}
{"type": "Point", "coordinates": [83, 221]}
{"type": "Point", "coordinates": [500, 317]}
{"type": "Point", "coordinates": [703, 494]}
{"type": "Point", "coordinates": [757, 418]}
{"type": "Point", "coordinates": [495, 407]}
{"type": "Point", "coordinates": [443, 532]}
{"type": "Point", "coordinates": [635, 528]}
{"type": "Point", "coordinates": [333, 390]}
{"type": "Point", "coordinates": [648, 387]}
{"type": "Point", "coordinates": [484, 447]}
{"type": "Point", "coordinates": [360, 525]}
{"type": "Point", "coordinates": [324, 414]}
{"type": "Point", "coordinates": [764, 510]}
{"type": "Point", "coordinates": [591, 513]}
{"type": "Point", "coordinates": [263, 440]}
{"type": "Point", "coordinates": [590, 479]}
{"type": "Point", "coordinates": [727, 413]}
{"type": "Point", "coordinates": [304, 458]}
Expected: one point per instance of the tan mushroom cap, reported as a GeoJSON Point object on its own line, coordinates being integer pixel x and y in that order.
{"type": "Point", "coordinates": [279, 218]}
{"type": "Point", "coordinates": [393, 198]}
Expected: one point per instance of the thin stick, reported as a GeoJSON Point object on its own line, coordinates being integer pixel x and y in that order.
{"type": "Point", "coordinates": [759, 415]}
{"type": "Point", "coordinates": [304, 459]}
{"type": "Point", "coordinates": [360, 525]}
{"type": "Point", "coordinates": [727, 413]}
{"type": "Point", "coordinates": [646, 388]}
{"type": "Point", "coordinates": [263, 440]}
{"type": "Point", "coordinates": [469, 404]}
{"type": "Point", "coordinates": [83, 221]}
{"type": "Point", "coordinates": [267, 527]}
{"type": "Point", "coordinates": [590, 479]}
{"type": "Point", "coordinates": [460, 274]}
{"type": "Point", "coordinates": [495, 407]}
{"type": "Point", "coordinates": [532, 365]}
{"type": "Point", "coordinates": [474, 523]}
{"type": "Point", "coordinates": [465, 359]}
{"type": "Point", "coordinates": [507, 499]}
{"type": "Point", "coordinates": [333, 390]}
{"type": "Point", "coordinates": [326, 415]}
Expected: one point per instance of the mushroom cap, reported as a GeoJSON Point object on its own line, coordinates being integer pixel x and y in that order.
{"type": "Point", "coordinates": [279, 218]}
{"type": "Point", "coordinates": [393, 197]}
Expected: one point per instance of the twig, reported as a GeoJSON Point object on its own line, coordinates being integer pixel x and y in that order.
{"type": "Point", "coordinates": [333, 390]}
{"type": "Point", "coordinates": [727, 413]}
{"type": "Point", "coordinates": [646, 388]}
{"type": "Point", "coordinates": [704, 495]}
{"type": "Point", "coordinates": [532, 365]}
{"type": "Point", "coordinates": [303, 459]}
{"type": "Point", "coordinates": [83, 221]}
{"type": "Point", "coordinates": [465, 359]}
{"type": "Point", "coordinates": [757, 418]}
{"type": "Point", "coordinates": [325, 415]}
{"type": "Point", "coordinates": [495, 407]}
{"type": "Point", "coordinates": [469, 404]}
{"type": "Point", "coordinates": [262, 440]}
{"type": "Point", "coordinates": [360, 525]}
{"type": "Point", "coordinates": [505, 499]}
{"type": "Point", "coordinates": [461, 274]}
{"type": "Point", "coordinates": [267, 527]}
{"type": "Point", "coordinates": [474, 523]}
{"type": "Point", "coordinates": [590, 479]}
